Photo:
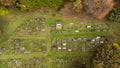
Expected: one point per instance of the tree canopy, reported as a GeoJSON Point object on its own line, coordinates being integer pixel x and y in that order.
{"type": "Point", "coordinates": [34, 4]}
{"type": "Point", "coordinates": [7, 3]}
{"type": "Point", "coordinates": [98, 8]}
{"type": "Point", "coordinates": [115, 14]}
{"type": "Point", "coordinates": [107, 56]}
{"type": "Point", "coordinates": [78, 5]}
{"type": "Point", "coordinates": [3, 11]}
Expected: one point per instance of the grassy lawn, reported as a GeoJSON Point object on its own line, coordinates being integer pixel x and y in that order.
{"type": "Point", "coordinates": [31, 33]}
{"type": "Point", "coordinates": [117, 28]}
{"type": "Point", "coordinates": [27, 63]}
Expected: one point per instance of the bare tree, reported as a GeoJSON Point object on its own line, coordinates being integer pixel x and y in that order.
{"type": "Point", "coordinates": [98, 8]}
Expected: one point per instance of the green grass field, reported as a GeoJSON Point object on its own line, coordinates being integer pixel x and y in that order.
{"type": "Point", "coordinates": [33, 35]}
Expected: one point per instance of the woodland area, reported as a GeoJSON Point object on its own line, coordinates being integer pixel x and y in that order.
{"type": "Point", "coordinates": [107, 57]}
{"type": "Point", "coordinates": [97, 8]}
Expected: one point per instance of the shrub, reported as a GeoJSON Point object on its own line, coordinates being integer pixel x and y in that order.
{"type": "Point", "coordinates": [107, 57]}
{"type": "Point", "coordinates": [78, 5]}
{"type": "Point", "coordinates": [55, 4]}
{"type": "Point", "coordinates": [115, 14]}
{"type": "Point", "coordinates": [3, 11]}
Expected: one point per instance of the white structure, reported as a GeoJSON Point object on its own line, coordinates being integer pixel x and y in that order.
{"type": "Point", "coordinates": [59, 48]}
{"type": "Point", "coordinates": [88, 26]}
{"type": "Point", "coordinates": [69, 49]}
{"type": "Point", "coordinates": [64, 48]}
{"type": "Point", "coordinates": [58, 26]}
{"type": "Point", "coordinates": [98, 37]}
{"type": "Point", "coordinates": [76, 31]}
{"type": "Point", "coordinates": [64, 44]}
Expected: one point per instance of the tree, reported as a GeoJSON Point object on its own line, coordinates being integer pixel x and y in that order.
{"type": "Point", "coordinates": [107, 57]}
{"type": "Point", "coordinates": [7, 3]}
{"type": "Point", "coordinates": [78, 5]}
{"type": "Point", "coordinates": [55, 4]}
{"type": "Point", "coordinates": [98, 8]}
{"type": "Point", "coordinates": [115, 14]}
{"type": "Point", "coordinates": [3, 11]}
{"type": "Point", "coordinates": [34, 4]}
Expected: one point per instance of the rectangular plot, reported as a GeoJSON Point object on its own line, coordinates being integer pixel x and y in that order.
{"type": "Point", "coordinates": [34, 26]}
{"type": "Point", "coordinates": [18, 46]}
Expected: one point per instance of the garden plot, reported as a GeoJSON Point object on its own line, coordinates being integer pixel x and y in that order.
{"type": "Point", "coordinates": [76, 27]}
{"type": "Point", "coordinates": [7, 47]}
{"type": "Point", "coordinates": [28, 45]}
{"type": "Point", "coordinates": [65, 44]}
{"type": "Point", "coordinates": [23, 46]}
{"type": "Point", "coordinates": [77, 44]}
{"type": "Point", "coordinates": [34, 26]}
{"type": "Point", "coordinates": [70, 62]}
{"type": "Point", "coordinates": [25, 63]}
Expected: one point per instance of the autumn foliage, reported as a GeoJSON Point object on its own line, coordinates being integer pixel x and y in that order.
{"type": "Point", "coordinates": [98, 8]}
{"type": "Point", "coordinates": [7, 3]}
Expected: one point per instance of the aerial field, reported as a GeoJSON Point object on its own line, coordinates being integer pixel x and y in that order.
{"type": "Point", "coordinates": [49, 41]}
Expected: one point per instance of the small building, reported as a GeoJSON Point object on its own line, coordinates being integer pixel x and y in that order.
{"type": "Point", "coordinates": [44, 49]}
{"type": "Point", "coordinates": [54, 47]}
{"type": "Point", "coordinates": [69, 49]}
{"type": "Point", "coordinates": [16, 42]}
{"type": "Point", "coordinates": [2, 49]}
{"type": "Point", "coordinates": [53, 31]}
{"type": "Point", "coordinates": [64, 48]}
{"type": "Point", "coordinates": [88, 26]}
{"type": "Point", "coordinates": [58, 25]}
{"type": "Point", "coordinates": [22, 48]}
{"type": "Point", "coordinates": [41, 20]}
{"type": "Point", "coordinates": [98, 37]}
{"type": "Point", "coordinates": [59, 48]}
{"type": "Point", "coordinates": [98, 30]}
{"type": "Point", "coordinates": [104, 30]}
{"type": "Point", "coordinates": [79, 39]}
{"type": "Point", "coordinates": [88, 30]}
{"type": "Point", "coordinates": [101, 42]}
{"type": "Point", "coordinates": [71, 24]}
{"type": "Point", "coordinates": [88, 43]}
{"type": "Point", "coordinates": [43, 30]}
{"type": "Point", "coordinates": [64, 40]}
{"type": "Point", "coordinates": [75, 39]}
{"type": "Point", "coordinates": [76, 31]}
{"type": "Point", "coordinates": [93, 40]}
{"type": "Point", "coordinates": [64, 44]}
{"type": "Point", "coordinates": [27, 52]}
{"type": "Point", "coordinates": [81, 22]}
{"type": "Point", "coordinates": [63, 31]}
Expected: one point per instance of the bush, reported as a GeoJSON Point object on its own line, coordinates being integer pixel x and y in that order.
{"type": "Point", "coordinates": [78, 5]}
{"type": "Point", "coordinates": [115, 14]}
{"type": "Point", "coordinates": [3, 11]}
{"type": "Point", "coordinates": [34, 4]}
{"type": "Point", "coordinates": [107, 57]}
